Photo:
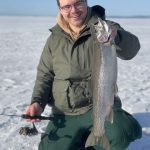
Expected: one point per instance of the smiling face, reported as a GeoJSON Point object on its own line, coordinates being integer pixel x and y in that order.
{"type": "Point", "coordinates": [73, 11]}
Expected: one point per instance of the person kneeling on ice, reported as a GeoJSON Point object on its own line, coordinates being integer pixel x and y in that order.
{"type": "Point", "coordinates": [64, 81]}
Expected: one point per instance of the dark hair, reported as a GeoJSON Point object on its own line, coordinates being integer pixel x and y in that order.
{"type": "Point", "coordinates": [59, 3]}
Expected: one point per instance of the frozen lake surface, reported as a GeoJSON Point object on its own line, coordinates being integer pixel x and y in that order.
{"type": "Point", "coordinates": [21, 43]}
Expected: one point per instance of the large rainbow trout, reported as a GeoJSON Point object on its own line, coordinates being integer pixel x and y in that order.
{"type": "Point", "coordinates": [104, 77]}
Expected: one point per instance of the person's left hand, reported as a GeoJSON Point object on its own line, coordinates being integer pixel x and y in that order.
{"type": "Point", "coordinates": [34, 109]}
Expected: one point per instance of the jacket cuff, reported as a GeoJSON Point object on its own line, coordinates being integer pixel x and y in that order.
{"type": "Point", "coordinates": [39, 102]}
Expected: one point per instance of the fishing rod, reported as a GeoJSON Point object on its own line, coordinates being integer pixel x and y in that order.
{"type": "Point", "coordinates": [29, 131]}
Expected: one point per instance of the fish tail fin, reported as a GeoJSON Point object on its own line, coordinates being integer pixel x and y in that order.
{"type": "Point", "coordinates": [102, 141]}
{"type": "Point", "coordinates": [91, 141]}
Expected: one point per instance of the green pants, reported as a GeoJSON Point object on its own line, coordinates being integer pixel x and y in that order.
{"type": "Point", "coordinates": [71, 132]}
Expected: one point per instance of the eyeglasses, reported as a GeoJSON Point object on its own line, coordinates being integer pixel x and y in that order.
{"type": "Point", "coordinates": [78, 5]}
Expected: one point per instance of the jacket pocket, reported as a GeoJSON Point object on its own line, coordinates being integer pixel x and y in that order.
{"type": "Point", "coordinates": [80, 94]}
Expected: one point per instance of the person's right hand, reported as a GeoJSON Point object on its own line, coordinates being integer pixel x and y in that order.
{"type": "Point", "coordinates": [34, 109]}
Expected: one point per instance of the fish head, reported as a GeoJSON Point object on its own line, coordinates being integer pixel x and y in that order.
{"type": "Point", "coordinates": [102, 31]}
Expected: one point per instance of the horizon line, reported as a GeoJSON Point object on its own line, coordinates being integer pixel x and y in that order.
{"type": "Point", "coordinates": [109, 16]}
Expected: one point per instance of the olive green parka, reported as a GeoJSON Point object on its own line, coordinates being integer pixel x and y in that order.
{"type": "Point", "coordinates": [64, 71]}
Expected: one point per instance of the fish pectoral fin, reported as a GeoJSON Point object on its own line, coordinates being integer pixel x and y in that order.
{"type": "Point", "coordinates": [110, 116]}
{"type": "Point", "coordinates": [117, 47]}
{"type": "Point", "coordinates": [102, 141]}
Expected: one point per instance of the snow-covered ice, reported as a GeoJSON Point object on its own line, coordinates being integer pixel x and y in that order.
{"type": "Point", "coordinates": [21, 43]}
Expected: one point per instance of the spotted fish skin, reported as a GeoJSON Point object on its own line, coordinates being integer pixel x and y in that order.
{"type": "Point", "coordinates": [104, 78]}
